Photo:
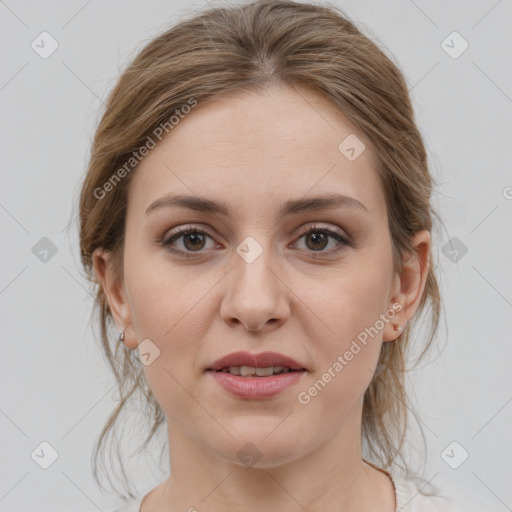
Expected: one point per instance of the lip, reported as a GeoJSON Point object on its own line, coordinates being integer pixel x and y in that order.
{"type": "Point", "coordinates": [256, 387]}
{"type": "Point", "coordinates": [263, 360]}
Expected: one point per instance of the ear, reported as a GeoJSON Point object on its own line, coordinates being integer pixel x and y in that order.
{"type": "Point", "coordinates": [115, 294]}
{"type": "Point", "coordinates": [409, 286]}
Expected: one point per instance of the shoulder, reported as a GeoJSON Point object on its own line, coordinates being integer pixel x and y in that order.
{"type": "Point", "coordinates": [444, 498]}
{"type": "Point", "coordinates": [132, 506]}
{"type": "Point", "coordinates": [145, 496]}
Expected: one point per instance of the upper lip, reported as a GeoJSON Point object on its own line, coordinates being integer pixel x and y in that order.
{"type": "Point", "coordinates": [263, 360]}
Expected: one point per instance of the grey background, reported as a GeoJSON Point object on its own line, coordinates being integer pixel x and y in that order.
{"type": "Point", "coordinates": [55, 386]}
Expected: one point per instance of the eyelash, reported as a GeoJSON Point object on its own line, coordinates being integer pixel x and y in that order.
{"type": "Point", "coordinates": [182, 231]}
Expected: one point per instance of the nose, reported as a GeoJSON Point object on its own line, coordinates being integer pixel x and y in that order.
{"type": "Point", "coordinates": [255, 297]}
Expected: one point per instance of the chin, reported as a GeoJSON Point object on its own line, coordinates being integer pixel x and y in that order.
{"type": "Point", "coordinates": [256, 448]}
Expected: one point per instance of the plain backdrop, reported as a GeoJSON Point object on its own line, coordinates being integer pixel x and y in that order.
{"type": "Point", "coordinates": [56, 388]}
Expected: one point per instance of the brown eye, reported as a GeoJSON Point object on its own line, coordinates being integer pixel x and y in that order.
{"type": "Point", "coordinates": [193, 240]}
{"type": "Point", "coordinates": [317, 239]}
{"type": "Point", "coordinates": [196, 241]}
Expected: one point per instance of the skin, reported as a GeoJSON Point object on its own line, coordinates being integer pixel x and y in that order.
{"type": "Point", "coordinates": [254, 151]}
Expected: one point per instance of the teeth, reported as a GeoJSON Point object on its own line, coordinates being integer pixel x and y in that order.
{"type": "Point", "coordinates": [264, 372]}
{"type": "Point", "coordinates": [246, 371]}
{"type": "Point", "coordinates": [249, 371]}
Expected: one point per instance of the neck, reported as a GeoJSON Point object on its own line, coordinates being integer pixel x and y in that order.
{"type": "Point", "coordinates": [333, 473]}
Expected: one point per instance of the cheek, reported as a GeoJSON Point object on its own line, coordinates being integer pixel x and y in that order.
{"type": "Point", "coordinates": [345, 322]}
{"type": "Point", "coordinates": [345, 360]}
{"type": "Point", "coordinates": [350, 300]}
{"type": "Point", "coordinates": [170, 308]}
{"type": "Point", "coordinates": [165, 298]}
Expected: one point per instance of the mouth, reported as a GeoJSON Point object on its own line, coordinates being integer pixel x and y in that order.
{"type": "Point", "coordinates": [262, 365]}
{"type": "Point", "coordinates": [251, 371]}
{"type": "Point", "coordinates": [256, 376]}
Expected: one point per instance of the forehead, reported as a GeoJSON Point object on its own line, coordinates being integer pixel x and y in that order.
{"type": "Point", "coordinates": [258, 147]}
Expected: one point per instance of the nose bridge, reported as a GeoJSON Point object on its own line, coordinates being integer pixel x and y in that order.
{"type": "Point", "coordinates": [253, 263]}
{"type": "Point", "coordinates": [255, 295]}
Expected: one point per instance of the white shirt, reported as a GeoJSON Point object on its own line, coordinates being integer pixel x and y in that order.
{"type": "Point", "coordinates": [408, 499]}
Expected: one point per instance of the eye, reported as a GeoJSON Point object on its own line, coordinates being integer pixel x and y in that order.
{"type": "Point", "coordinates": [316, 239]}
{"type": "Point", "coordinates": [193, 240]}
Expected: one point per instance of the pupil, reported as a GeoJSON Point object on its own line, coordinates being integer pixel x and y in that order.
{"type": "Point", "coordinates": [192, 236]}
{"type": "Point", "coordinates": [316, 237]}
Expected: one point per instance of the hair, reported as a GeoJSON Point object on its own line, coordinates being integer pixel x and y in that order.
{"type": "Point", "coordinates": [251, 48]}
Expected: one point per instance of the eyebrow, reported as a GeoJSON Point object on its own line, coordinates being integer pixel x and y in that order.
{"type": "Point", "coordinates": [290, 207]}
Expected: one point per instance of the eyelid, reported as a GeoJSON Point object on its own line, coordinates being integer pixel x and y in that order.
{"type": "Point", "coordinates": [185, 228]}
{"type": "Point", "coordinates": [315, 226]}
{"type": "Point", "coordinates": [304, 229]}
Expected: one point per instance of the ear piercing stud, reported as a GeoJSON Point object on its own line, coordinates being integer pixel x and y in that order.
{"type": "Point", "coordinates": [121, 336]}
{"type": "Point", "coordinates": [398, 328]}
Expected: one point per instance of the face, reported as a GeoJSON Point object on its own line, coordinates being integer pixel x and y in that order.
{"type": "Point", "coordinates": [303, 282]}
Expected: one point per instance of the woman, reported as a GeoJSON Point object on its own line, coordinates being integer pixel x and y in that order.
{"type": "Point", "coordinates": [256, 219]}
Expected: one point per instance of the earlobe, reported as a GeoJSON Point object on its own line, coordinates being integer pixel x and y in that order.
{"type": "Point", "coordinates": [393, 330]}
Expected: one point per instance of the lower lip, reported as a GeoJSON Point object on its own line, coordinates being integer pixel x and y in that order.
{"type": "Point", "coordinates": [257, 387]}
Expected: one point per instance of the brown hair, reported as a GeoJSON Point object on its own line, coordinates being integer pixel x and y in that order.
{"type": "Point", "coordinates": [250, 48]}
